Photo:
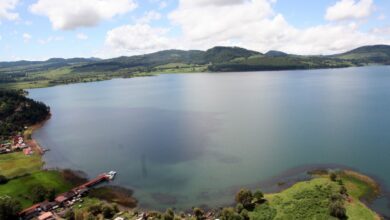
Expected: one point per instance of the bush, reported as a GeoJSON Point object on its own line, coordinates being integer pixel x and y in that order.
{"type": "Point", "coordinates": [168, 215]}
{"type": "Point", "coordinates": [338, 210]}
{"type": "Point", "coordinates": [333, 177]}
{"type": "Point", "coordinates": [70, 215]}
{"type": "Point", "coordinates": [258, 196]}
{"type": "Point", "coordinates": [343, 191]}
{"type": "Point", "coordinates": [38, 193]}
{"type": "Point", "coordinates": [95, 209]}
{"type": "Point", "coordinates": [9, 209]}
{"type": "Point", "coordinates": [108, 212]}
{"type": "Point", "coordinates": [245, 197]}
{"type": "Point", "coordinates": [245, 215]}
{"type": "Point", "coordinates": [239, 207]}
{"type": "Point", "coordinates": [230, 214]}
{"type": "Point", "coordinates": [3, 180]}
{"type": "Point", "coordinates": [198, 213]}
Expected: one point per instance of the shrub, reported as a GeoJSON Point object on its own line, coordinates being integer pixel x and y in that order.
{"type": "Point", "coordinates": [333, 177]}
{"type": "Point", "coordinates": [230, 214]}
{"type": "Point", "coordinates": [9, 209]}
{"type": "Point", "coordinates": [168, 215]}
{"type": "Point", "coordinates": [239, 207]}
{"type": "Point", "coordinates": [198, 213]}
{"type": "Point", "coordinates": [258, 196]}
{"type": "Point", "coordinates": [338, 210]}
{"type": "Point", "coordinates": [38, 193]}
{"type": "Point", "coordinates": [3, 180]}
{"type": "Point", "coordinates": [108, 212]}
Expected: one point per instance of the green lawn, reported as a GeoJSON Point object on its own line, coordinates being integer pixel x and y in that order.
{"type": "Point", "coordinates": [18, 164]}
{"type": "Point", "coordinates": [19, 188]}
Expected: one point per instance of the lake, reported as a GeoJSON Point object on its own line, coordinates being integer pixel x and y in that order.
{"type": "Point", "coordinates": [186, 140]}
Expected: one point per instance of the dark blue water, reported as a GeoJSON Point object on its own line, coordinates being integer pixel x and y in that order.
{"type": "Point", "coordinates": [186, 139]}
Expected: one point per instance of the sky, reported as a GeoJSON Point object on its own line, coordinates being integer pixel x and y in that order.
{"type": "Point", "coordinates": [43, 29]}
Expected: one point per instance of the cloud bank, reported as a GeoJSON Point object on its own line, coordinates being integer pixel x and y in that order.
{"type": "Point", "coordinates": [72, 14]}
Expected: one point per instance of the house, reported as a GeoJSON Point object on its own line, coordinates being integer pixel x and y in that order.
{"type": "Point", "coordinates": [47, 206]}
{"type": "Point", "coordinates": [63, 198]}
{"type": "Point", "coordinates": [46, 216]}
{"type": "Point", "coordinates": [27, 151]}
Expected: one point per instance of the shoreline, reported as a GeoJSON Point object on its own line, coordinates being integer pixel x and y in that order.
{"type": "Point", "coordinates": [275, 184]}
{"type": "Point", "coordinates": [28, 133]}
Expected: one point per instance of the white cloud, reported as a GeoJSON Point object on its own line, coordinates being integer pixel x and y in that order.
{"type": "Point", "coordinates": [381, 30]}
{"type": "Point", "coordinates": [6, 9]}
{"type": "Point", "coordinates": [252, 24]}
{"type": "Point", "coordinates": [72, 14]}
{"type": "Point", "coordinates": [50, 39]}
{"type": "Point", "coordinates": [149, 16]}
{"type": "Point", "coordinates": [82, 36]}
{"type": "Point", "coordinates": [163, 4]}
{"type": "Point", "coordinates": [135, 39]}
{"type": "Point", "coordinates": [349, 9]}
{"type": "Point", "coordinates": [218, 18]}
{"type": "Point", "coordinates": [26, 37]}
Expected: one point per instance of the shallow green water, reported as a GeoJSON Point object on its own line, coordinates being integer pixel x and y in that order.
{"type": "Point", "coordinates": [185, 140]}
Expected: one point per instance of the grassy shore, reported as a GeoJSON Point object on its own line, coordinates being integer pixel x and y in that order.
{"type": "Point", "coordinates": [24, 172]}
{"type": "Point", "coordinates": [310, 199]}
{"type": "Point", "coordinates": [20, 188]}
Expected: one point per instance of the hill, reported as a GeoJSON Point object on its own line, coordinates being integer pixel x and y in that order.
{"type": "Point", "coordinates": [367, 55]}
{"type": "Point", "coordinates": [32, 74]}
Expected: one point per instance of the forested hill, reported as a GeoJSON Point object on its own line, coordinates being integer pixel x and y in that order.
{"type": "Point", "coordinates": [18, 111]}
{"type": "Point", "coordinates": [30, 74]}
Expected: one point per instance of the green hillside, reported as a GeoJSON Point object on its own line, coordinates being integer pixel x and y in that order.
{"type": "Point", "coordinates": [32, 74]}
{"type": "Point", "coordinates": [368, 55]}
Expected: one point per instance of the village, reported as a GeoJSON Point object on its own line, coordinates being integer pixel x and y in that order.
{"type": "Point", "coordinates": [56, 209]}
{"type": "Point", "coordinates": [18, 143]}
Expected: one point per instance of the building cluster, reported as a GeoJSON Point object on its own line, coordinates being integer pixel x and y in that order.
{"type": "Point", "coordinates": [17, 144]}
{"type": "Point", "coordinates": [52, 210]}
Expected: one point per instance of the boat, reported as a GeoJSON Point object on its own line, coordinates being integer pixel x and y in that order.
{"type": "Point", "coordinates": [111, 175]}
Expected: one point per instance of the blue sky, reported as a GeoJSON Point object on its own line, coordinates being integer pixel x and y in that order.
{"type": "Point", "coordinates": [41, 29]}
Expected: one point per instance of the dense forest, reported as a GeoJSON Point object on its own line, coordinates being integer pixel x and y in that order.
{"type": "Point", "coordinates": [18, 111]}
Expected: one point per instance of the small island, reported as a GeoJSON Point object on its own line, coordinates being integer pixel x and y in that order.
{"type": "Point", "coordinates": [328, 194]}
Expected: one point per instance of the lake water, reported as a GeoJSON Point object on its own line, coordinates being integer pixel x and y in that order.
{"type": "Point", "coordinates": [185, 140]}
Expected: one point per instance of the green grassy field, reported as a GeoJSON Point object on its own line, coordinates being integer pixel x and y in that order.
{"type": "Point", "coordinates": [18, 164]}
{"type": "Point", "coordinates": [310, 200]}
{"type": "Point", "coordinates": [20, 188]}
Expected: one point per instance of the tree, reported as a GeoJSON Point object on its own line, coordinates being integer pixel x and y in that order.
{"type": "Point", "coordinates": [9, 209]}
{"type": "Point", "coordinates": [245, 197]}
